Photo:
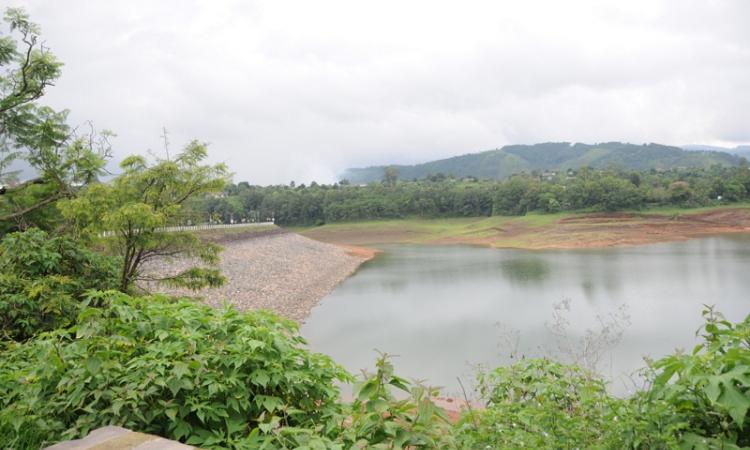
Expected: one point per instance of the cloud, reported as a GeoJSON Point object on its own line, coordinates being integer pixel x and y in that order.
{"type": "Point", "coordinates": [297, 90]}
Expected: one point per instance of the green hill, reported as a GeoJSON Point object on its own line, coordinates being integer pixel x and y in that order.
{"type": "Point", "coordinates": [511, 159]}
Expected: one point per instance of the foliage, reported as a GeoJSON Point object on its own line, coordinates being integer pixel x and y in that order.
{"type": "Point", "coordinates": [374, 420]}
{"type": "Point", "coordinates": [43, 280]}
{"type": "Point", "coordinates": [443, 196]}
{"type": "Point", "coordinates": [538, 403]}
{"type": "Point", "coordinates": [26, 72]}
{"type": "Point", "coordinates": [390, 176]}
{"type": "Point", "coordinates": [134, 209]}
{"type": "Point", "coordinates": [60, 160]}
{"type": "Point", "coordinates": [213, 378]}
{"type": "Point", "coordinates": [696, 401]}
{"type": "Point", "coordinates": [709, 389]}
{"type": "Point", "coordinates": [379, 420]}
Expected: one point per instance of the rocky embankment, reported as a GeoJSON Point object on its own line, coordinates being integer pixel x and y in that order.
{"type": "Point", "coordinates": [276, 270]}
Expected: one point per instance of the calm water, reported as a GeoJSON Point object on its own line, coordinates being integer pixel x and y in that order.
{"type": "Point", "coordinates": [444, 309]}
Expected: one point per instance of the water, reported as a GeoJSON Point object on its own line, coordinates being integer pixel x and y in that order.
{"type": "Point", "coordinates": [444, 309]}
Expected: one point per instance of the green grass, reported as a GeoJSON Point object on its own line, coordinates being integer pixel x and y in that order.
{"type": "Point", "coordinates": [441, 225]}
{"type": "Point", "coordinates": [530, 231]}
{"type": "Point", "coordinates": [417, 230]}
{"type": "Point", "coordinates": [676, 210]}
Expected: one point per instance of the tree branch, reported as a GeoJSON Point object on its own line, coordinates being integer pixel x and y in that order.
{"type": "Point", "coordinates": [22, 185]}
{"type": "Point", "coordinates": [34, 207]}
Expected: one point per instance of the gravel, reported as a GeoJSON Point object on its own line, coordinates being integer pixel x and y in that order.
{"type": "Point", "coordinates": [280, 271]}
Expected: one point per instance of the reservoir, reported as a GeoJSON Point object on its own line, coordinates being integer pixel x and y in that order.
{"type": "Point", "coordinates": [443, 310]}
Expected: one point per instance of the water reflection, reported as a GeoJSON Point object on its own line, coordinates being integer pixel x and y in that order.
{"type": "Point", "coordinates": [438, 307]}
{"type": "Point", "coordinates": [525, 270]}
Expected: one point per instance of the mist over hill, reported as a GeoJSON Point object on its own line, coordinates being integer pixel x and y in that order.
{"type": "Point", "coordinates": [506, 161]}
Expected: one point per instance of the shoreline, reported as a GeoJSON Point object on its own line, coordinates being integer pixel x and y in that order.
{"type": "Point", "coordinates": [275, 270]}
{"type": "Point", "coordinates": [542, 232]}
{"type": "Point", "coordinates": [364, 253]}
{"type": "Point", "coordinates": [290, 272]}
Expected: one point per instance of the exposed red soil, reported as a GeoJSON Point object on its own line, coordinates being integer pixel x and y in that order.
{"type": "Point", "coordinates": [579, 231]}
{"type": "Point", "coordinates": [454, 407]}
{"type": "Point", "coordinates": [612, 229]}
{"type": "Point", "coordinates": [364, 253]}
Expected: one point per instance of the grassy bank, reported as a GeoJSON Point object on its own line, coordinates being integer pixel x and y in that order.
{"type": "Point", "coordinates": [536, 231]}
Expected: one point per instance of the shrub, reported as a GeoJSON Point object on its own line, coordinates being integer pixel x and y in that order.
{"type": "Point", "coordinates": [708, 390]}
{"type": "Point", "coordinates": [213, 378]}
{"type": "Point", "coordinates": [43, 280]}
{"type": "Point", "coordinates": [376, 419]}
{"type": "Point", "coordinates": [538, 403]}
{"type": "Point", "coordinates": [695, 401]}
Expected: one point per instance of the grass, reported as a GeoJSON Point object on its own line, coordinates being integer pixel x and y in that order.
{"type": "Point", "coordinates": [676, 210]}
{"type": "Point", "coordinates": [534, 230]}
{"type": "Point", "coordinates": [416, 230]}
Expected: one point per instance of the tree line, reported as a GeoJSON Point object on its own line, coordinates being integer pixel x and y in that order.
{"type": "Point", "coordinates": [439, 195]}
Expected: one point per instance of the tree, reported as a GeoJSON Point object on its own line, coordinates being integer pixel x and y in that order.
{"type": "Point", "coordinates": [390, 176]}
{"type": "Point", "coordinates": [130, 215]}
{"type": "Point", "coordinates": [26, 73]}
{"type": "Point", "coordinates": [59, 158]}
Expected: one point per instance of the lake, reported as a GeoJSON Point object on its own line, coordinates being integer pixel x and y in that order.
{"type": "Point", "coordinates": [445, 309]}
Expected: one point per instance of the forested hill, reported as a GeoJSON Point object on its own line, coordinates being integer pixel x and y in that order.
{"type": "Point", "coordinates": [511, 159]}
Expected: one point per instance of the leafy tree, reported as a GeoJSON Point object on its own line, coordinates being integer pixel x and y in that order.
{"type": "Point", "coordinates": [133, 210]}
{"type": "Point", "coordinates": [680, 191]}
{"type": "Point", "coordinates": [59, 159]}
{"type": "Point", "coordinates": [28, 68]}
{"type": "Point", "coordinates": [390, 176]}
{"type": "Point", "coordinates": [516, 196]}
{"type": "Point", "coordinates": [589, 189]}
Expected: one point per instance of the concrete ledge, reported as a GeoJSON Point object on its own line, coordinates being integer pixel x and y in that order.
{"type": "Point", "coordinates": [118, 438]}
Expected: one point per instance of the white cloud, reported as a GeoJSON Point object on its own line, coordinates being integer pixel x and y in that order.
{"type": "Point", "coordinates": [299, 90]}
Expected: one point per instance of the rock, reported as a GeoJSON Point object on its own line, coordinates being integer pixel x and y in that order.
{"type": "Point", "coordinates": [282, 272]}
{"type": "Point", "coordinates": [118, 438]}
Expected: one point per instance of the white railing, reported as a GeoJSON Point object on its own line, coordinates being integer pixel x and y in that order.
{"type": "Point", "coordinates": [200, 227]}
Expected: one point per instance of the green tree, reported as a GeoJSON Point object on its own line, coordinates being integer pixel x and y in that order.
{"type": "Point", "coordinates": [60, 160]}
{"type": "Point", "coordinates": [130, 215]}
{"type": "Point", "coordinates": [390, 176]}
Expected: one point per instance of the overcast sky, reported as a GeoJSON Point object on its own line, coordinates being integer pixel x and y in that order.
{"type": "Point", "coordinates": [300, 90]}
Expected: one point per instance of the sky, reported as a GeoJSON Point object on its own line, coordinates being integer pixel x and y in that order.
{"type": "Point", "coordinates": [300, 90]}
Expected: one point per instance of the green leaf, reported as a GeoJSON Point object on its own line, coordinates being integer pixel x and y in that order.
{"type": "Point", "coordinates": [736, 403]}
{"type": "Point", "coordinates": [260, 377]}
{"type": "Point", "coordinates": [180, 369]}
{"type": "Point", "coordinates": [93, 364]}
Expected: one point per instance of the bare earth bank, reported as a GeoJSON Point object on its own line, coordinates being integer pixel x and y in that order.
{"type": "Point", "coordinates": [562, 231]}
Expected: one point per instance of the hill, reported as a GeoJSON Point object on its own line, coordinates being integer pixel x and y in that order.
{"type": "Point", "coordinates": [740, 150]}
{"type": "Point", "coordinates": [511, 159]}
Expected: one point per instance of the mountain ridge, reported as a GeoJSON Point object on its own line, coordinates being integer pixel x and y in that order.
{"type": "Point", "coordinates": [511, 159]}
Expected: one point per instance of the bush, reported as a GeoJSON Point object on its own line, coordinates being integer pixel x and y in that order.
{"type": "Point", "coordinates": [213, 378]}
{"type": "Point", "coordinates": [709, 389]}
{"type": "Point", "coordinates": [43, 280]}
{"type": "Point", "coordinates": [538, 403]}
{"type": "Point", "coordinates": [376, 419]}
{"type": "Point", "coordinates": [695, 401]}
